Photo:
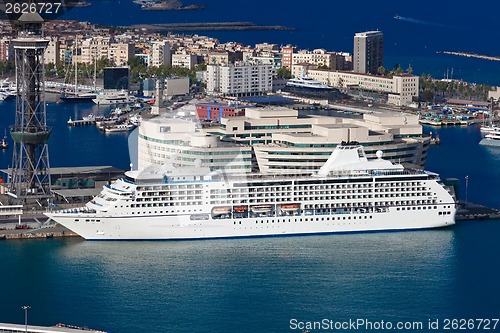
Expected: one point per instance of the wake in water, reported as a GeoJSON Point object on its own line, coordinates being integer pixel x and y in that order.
{"type": "Point", "coordinates": [411, 20]}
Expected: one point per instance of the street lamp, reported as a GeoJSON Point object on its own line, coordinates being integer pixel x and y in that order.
{"type": "Point", "coordinates": [466, 188]}
{"type": "Point", "coordinates": [25, 308]}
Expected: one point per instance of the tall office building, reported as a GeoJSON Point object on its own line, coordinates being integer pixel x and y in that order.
{"type": "Point", "coordinates": [368, 52]}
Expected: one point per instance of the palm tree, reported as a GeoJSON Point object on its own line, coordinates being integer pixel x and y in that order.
{"type": "Point", "coordinates": [381, 70]}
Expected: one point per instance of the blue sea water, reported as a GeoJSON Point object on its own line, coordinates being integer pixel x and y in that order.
{"type": "Point", "coordinates": [425, 27]}
{"type": "Point", "coordinates": [72, 146]}
{"type": "Point", "coordinates": [256, 285]}
{"type": "Point", "coordinates": [259, 285]}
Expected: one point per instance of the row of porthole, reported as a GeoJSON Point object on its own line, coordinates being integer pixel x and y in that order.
{"type": "Point", "coordinates": [312, 219]}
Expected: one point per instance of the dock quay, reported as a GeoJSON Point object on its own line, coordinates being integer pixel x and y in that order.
{"type": "Point", "coordinates": [81, 122]}
{"type": "Point", "coordinates": [471, 211]}
{"type": "Point", "coordinates": [53, 231]}
{"type": "Point", "coordinates": [59, 328]}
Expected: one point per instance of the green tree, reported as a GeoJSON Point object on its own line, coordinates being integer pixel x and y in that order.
{"type": "Point", "coordinates": [381, 70]}
{"type": "Point", "coordinates": [6, 67]}
{"type": "Point", "coordinates": [428, 95]}
{"type": "Point", "coordinates": [284, 72]}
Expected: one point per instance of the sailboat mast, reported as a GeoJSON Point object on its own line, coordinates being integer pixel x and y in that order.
{"type": "Point", "coordinates": [95, 73]}
{"type": "Point", "coordinates": [76, 65]}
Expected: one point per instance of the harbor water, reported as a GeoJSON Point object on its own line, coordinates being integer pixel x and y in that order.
{"type": "Point", "coordinates": [412, 40]}
{"type": "Point", "coordinates": [254, 285]}
{"type": "Point", "coordinates": [262, 284]}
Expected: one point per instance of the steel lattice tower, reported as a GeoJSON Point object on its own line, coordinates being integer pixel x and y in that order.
{"type": "Point", "coordinates": [30, 177]}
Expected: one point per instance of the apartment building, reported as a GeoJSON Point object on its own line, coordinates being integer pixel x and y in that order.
{"type": "Point", "coordinates": [286, 56]}
{"type": "Point", "coordinates": [368, 53]}
{"type": "Point", "coordinates": [120, 53]}
{"type": "Point", "coordinates": [242, 78]}
{"type": "Point", "coordinates": [184, 60]}
{"type": "Point", "coordinates": [400, 89]}
{"type": "Point", "coordinates": [160, 54]}
{"type": "Point", "coordinates": [52, 52]}
{"type": "Point", "coordinates": [6, 49]}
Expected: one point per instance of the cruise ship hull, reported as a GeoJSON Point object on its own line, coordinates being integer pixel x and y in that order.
{"type": "Point", "coordinates": [183, 227]}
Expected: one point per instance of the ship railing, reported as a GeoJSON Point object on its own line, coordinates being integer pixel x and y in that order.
{"type": "Point", "coordinates": [332, 174]}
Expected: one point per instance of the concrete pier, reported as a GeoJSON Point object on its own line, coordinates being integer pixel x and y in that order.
{"type": "Point", "coordinates": [33, 230]}
{"type": "Point", "coordinates": [81, 122]}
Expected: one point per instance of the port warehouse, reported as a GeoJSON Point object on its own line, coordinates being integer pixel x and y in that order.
{"type": "Point", "coordinates": [74, 184]}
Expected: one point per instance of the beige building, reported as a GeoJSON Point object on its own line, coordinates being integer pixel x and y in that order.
{"type": "Point", "coordinates": [160, 54]}
{"type": "Point", "coordinates": [318, 57]}
{"type": "Point", "coordinates": [184, 60]}
{"type": "Point", "coordinates": [285, 143]}
{"type": "Point", "coordinates": [180, 142]}
{"type": "Point", "coordinates": [52, 52]}
{"type": "Point", "coordinates": [400, 89]}
{"type": "Point", "coordinates": [495, 94]}
{"type": "Point", "coordinates": [299, 70]}
{"type": "Point", "coordinates": [94, 48]}
{"type": "Point", "coordinates": [120, 53]}
{"type": "Point", "coordinates": [176, 86]}
{"type": "Point", "coordinates": [239, 79]}
{"type": "Point", "coordinates": [218, 58]}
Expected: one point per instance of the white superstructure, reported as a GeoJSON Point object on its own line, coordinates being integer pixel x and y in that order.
{"type": "Point", "coordinates": [349, 193]}
{"type": "Point", "coordinates": [307, 82]}
{"type": "Point", "coordinates": [492, 138]}
{"type": "Point", "coordinates": [113, 98]}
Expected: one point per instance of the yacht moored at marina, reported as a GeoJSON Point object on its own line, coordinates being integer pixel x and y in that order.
{"type": "Point", "coordinates": [492, 138]}
{"type": "Point", "coordinates": [349, 193]}
{"type": "Point", "coordinates": [308, 87]}
{"type": "Point", "coordinates": [114, 98]}
{"type": "Point", "coordinates": [308, 83]}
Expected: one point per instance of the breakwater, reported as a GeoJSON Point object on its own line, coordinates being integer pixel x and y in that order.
{"type": "Point", "coordinates": [471, 55]}
{"type": "Point", "coordinates": [207, 26]}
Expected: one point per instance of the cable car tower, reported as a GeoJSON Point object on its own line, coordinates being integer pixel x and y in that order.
{"type": "Point", "coordinates": [30, 176]}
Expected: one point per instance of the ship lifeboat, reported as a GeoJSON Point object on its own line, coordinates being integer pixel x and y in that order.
{"type": "Point", "coordinates": [261, 208]}
{"type": "Point", "coordinates": [240, 208]}
{"type": "Point", "coordinates": [290, 207]}
{"type": "Point", "coordinates": [221, 210]}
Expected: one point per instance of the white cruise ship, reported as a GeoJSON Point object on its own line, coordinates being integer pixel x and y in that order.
{"type": "Point", "coordinates": [348, 194]}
